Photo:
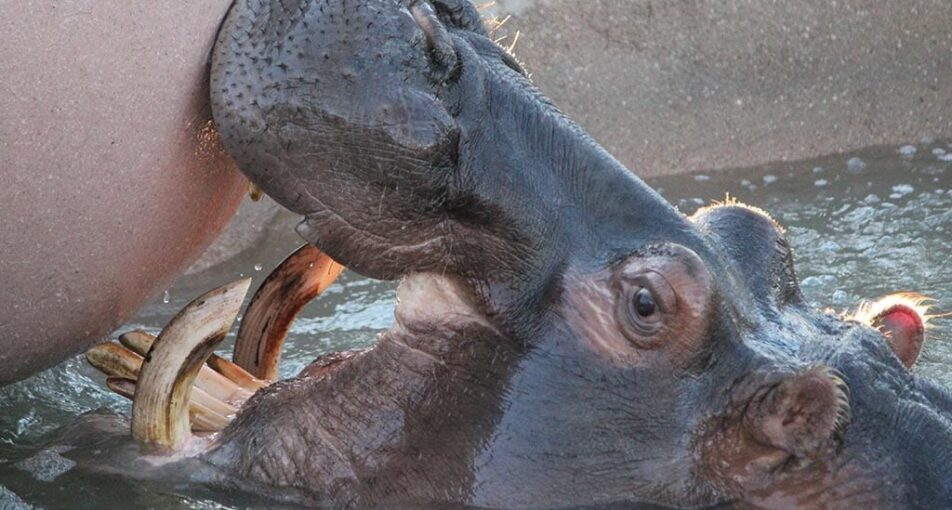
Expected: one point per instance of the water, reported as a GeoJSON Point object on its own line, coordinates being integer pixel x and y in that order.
{"type": "Point", "coordinates": [862, 225]}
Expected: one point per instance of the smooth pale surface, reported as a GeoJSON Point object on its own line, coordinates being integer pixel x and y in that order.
{"type": "Point", "coordinates": [113, 181]}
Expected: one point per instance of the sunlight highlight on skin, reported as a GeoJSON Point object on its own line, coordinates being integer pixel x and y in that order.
{"type": "Point", "coordinates": [867, 312]}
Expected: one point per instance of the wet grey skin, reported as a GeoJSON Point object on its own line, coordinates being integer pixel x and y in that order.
{"type": "Point", "coordinates": [563, 336]}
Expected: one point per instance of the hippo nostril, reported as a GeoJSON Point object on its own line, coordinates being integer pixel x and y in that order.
{"type": "Point", "coordinates": [439, 42]}
{"type": "Point", "coordinates": [802, 414]}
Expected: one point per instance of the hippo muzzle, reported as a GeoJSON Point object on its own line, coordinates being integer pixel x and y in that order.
{"type": "Point", "coordinates": [563, 337]}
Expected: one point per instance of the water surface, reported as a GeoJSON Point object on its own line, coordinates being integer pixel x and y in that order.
{"type": "Point", "coordinates": [862, 225]}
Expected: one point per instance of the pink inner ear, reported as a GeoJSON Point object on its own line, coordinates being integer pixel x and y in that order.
{"type": "Point", "coordinates": [904, 330]}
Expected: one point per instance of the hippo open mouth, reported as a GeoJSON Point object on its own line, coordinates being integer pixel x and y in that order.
{"type": "Point", "coordinates": [564, 337]}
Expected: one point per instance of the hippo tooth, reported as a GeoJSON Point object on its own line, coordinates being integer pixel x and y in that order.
{"type": "Point", "coordinates": [301, 277]}
{"type": "Point", "coordinates": [122, 386]}
{"type": "Point", "coordinates": [114, 361]}
{"type": "Point", "coordinates": [235, 373]}
{"type": "Point", "coordinates": [212, 382]}
{"type": "Point", "coordinates": [137, 341]}
{"type": "Point", "coordinates": [160, 418]}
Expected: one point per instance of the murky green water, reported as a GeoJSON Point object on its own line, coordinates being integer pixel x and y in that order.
{"type": "Point", "coordinates": [862, 225]}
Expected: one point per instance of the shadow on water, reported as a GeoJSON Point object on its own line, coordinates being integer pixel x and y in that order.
{"type": "Point", "coordinates": [862, 225]}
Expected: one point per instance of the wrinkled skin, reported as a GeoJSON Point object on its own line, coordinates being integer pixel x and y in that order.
{"type": "Point", "coordinates": [564, 337]}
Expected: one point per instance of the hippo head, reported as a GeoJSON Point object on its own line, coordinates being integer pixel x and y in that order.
{"type": "Point", "coordinates": [564, 336]}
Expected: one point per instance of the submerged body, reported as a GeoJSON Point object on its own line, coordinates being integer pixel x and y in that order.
{"type": "Point", "coordinates": [564, 337]}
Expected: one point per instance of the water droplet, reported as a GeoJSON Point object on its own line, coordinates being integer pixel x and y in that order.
{"type": "Point", "coordinates": [820, 183]}
{"type": "Point", "coordinates": [770, 178]}
{"type": "Point", "coordinates": [258, 267]}
{"type": "Point", "coordinates": [166, 298]}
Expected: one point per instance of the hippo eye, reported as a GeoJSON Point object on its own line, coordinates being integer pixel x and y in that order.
{"type": "Point", "coordinates": [645, 305]}
{"type": "Point", "coordinates": [644, 300]}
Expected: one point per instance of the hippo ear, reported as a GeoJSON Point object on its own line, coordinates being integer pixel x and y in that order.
{"type": "Point", "coordinates": [901, 319]}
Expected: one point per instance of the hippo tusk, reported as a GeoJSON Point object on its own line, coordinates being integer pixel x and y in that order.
{"type": "Point", "coordinates": [203, 419]}
{"type": "Point", "coordinates": [160, 417]}
{"type": "Point", "coordinates": [301, 277]}
{"type": "Point", "coordinates": [214, 383]}
{"type": "Point", "coordinates": [207, 412]}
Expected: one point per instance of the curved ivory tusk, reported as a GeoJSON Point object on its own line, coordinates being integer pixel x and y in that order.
{"type": "Point", "coordinates": [300, 278]}
{"type": "Point", "coordinates": [160, 417]}
{"type": "Point", "coordinates": [216, 383]}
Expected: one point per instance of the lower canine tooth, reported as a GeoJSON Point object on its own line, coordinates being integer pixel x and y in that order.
{"type": "Point", "coordinates": [160, 410]}
{"type": "Point", "coordinates": [209, 380]}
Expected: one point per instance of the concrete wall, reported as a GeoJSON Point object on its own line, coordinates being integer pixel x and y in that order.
{"type": "Point", "coordinates": [674, 86]}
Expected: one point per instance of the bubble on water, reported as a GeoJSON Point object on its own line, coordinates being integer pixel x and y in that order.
{"type": "Point", "coordinates": [10, 501]}
{"type": "Point", "coordinates": [745, 182]}
{"type": "Point", "coordinates": [258, 267]}
{"type": "Point", "coordinates": [701, 178]}
{"type": "Point", "coordinates": [841, 298]}
{"type": "Point", "coordinates": [946, 157]}
{"type": "Point", "coordinates": [855, 163]}
{"type": "Point", "coordinates": [871, 199]}
{"type": "Point", "coordinates": [820, 183]}
{"type": "Point", "coordinates": [770, 178]}
{"type": "Point", "coordinates": [907, 150]}
{"type": "Point", "coordinates": [818, 169]}
{"type": "Point", "coordinates": [166, 298]}
{"type": "Point", "coordinates": [48, 464]}
{"type": "Point", "coordinates": [817, 282]}
{"type": "Point", "coordinates": [938, 151]}
{"type": "Point", "coordinates": [927, 140]}
{"type": "Point", "coordinates": [902, 190]}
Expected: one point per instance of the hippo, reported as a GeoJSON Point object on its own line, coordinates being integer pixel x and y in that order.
{"type": "Point", "coordinates": [563, 337]}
